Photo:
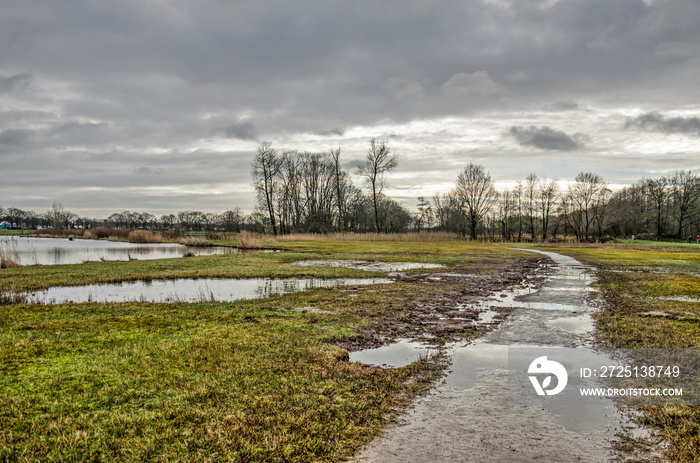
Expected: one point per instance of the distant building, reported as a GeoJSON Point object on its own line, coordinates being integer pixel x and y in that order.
{"type": "Point", "coordinates": [5, 225]}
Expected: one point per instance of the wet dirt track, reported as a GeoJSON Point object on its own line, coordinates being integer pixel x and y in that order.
{"type": "Point", "coordinates": [468, 416]}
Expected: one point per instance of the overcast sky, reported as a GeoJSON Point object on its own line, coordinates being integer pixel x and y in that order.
{"type": "Point", "coordinates": [158, 106]}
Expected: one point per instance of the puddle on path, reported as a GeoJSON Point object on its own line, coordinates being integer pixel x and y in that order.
{"type": "Point", "coordinates": [369, 266]}
{"type": "Point", "coordinates": [470, 415]}
{"type": "Point", "coordinates": [190, 290]}
{"type": "Point", "coordinates": [398, 354]}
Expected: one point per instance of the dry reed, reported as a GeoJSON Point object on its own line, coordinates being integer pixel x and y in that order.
{"type": "Point", "coordinates": [408, 237]}
{"type": "Point", "coordinates": [246, 240]}
{"type": "Point", "coordinates": [144, 236]}
{"type": "Point", "coordinates": [194, 241]}
{"type": "Point", "coordinates": [9, 256]}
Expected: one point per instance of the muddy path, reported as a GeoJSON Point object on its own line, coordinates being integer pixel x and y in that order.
{"type": "Point", "coordinates": [468, 417]}
{"type": "Point", "coordinates": [445, 308]}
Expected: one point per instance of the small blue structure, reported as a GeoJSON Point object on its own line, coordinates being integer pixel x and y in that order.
{"type": "Point", "coordinates": [5, 225]}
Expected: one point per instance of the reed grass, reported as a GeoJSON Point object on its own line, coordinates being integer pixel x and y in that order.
{"type": "Point", "coordinates": [427, 237]}
{"type": "Point", "coordinates": [194, 241]}
{"type": "Point", "coordinates": [246, 240]}
{"type": "Point", "coordinates": [9, 256]}
{"type": "Point", "coordinates": [145, 236]}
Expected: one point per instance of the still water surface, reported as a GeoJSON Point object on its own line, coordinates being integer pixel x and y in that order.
{"type": "Point", "coordinates": [54, 251]}
{"type": "Point", "coordinates": [190, 290]}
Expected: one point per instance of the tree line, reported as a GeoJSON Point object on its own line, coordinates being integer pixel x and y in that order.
{"type": "Point", "coordinates": [311, 192]}
{"type": "Point", "coordinates": [57, 217]}
{"type": "Point", "coordinates": [302, 192]}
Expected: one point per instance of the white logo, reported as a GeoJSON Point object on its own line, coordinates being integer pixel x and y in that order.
{"type": "Point", "coordinates": [550, 367]}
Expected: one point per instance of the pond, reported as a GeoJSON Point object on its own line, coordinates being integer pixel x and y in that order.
{"type": "Point", "coordinates": [55, 251]}
{"type": "Point", "coordinates": [190, 290]}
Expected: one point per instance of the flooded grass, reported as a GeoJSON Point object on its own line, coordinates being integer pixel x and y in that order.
{"type": "Point", "coordinates": [190, 290]}
{"type": "Point", "coordinates": [257, 380]}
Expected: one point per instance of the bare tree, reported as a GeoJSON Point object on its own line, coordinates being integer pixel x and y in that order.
{"type": "Point", "coordinates": [531, 202]}
{"type": "Point", "coordinates": [378, 162]}
{"type": "Point", "coordinates": [58, 217]}
{"type": "Point", "coordinates": [518, 198]}
{"type": "Point", "coordinates": [586, 196]}
{"type": "Point", "coordinates": [626, 209]}
{"type": "Point", "coordinates": [266, 166]}
{"type": "Point", "coordinates": [548, 194]}
{"type": "Point", "coordinates": [341, 188]}
{"type": "Point", "coordinates": [425, 216]}
{"type": "Point", "coordinates": [685, 190]}
{"type": "Point", "coordinates": [657, 193]}
{"type": "Point", "coordinates": [476, 193]}
{"type": "Point", "coordinates": [506, 208]}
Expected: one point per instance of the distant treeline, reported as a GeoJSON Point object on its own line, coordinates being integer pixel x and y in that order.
{"type": "Point", "coordinates": [311, 192]}
{"type": "Point", "coordinates": [58, 218]}
{"type": "Point", "coordinates": [301, 192]}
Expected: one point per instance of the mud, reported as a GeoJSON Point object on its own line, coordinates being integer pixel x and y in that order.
{"type": "Point", "coordinates": [367, 265]}
{"type": "Point", "coordinates": [469, 416]}
{"type": "Point", "coordinates": [457, 308]}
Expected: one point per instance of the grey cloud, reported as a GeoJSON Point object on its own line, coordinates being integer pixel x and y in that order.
{"type": "Point", "coordinates": [354, 164]}
{"type": "Point", "coordinates": [148, 171]}
{"type": "Point", "coordinates": [478, 83]}
{"type": "Point", "coordinates": [164, 78]}
{"type": "Point", "coordinates": [562, 105]}
{"type": "Point", "coordinates": [15, 83]}
{"type": "Point", "coordinates": [544, 138]}
{"type": "Point", "coordinates": [337, 131]}
{"type": "Point", "coordinates": [77, 127]}
{"type": "Point", "coordinates": [655, 122]}
{"type": "Point", "coordinates": [17, 116]}
{"type": "Point", "coordinates": [240, 130]}
{"type": "Point", "coordinates": [15, 137]}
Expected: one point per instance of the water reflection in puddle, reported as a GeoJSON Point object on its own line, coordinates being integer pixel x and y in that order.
{"type": "Point", "coordinates": [190, 290]}
{"type": "Point", "coordinates": [475, 398]}
{"type": "Point", "coordinates": [369, 266]}
{"type": "Point", "coordinates": [398, 354]}
{"type": "Point", "coordinates": [56, 251]}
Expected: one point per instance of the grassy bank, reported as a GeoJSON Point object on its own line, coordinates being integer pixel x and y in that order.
{"type": "Point", "coordinates": [632, 279]}
{"type": "Point", "coordinates": [244, 381]}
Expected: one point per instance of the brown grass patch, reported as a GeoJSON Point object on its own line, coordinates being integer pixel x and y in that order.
{"type": "Point", "coordinates": [194, 241]}
{"type": "Point", "coordinates": [144, 236]}
{"type": "Point", "coordinates": [247, 240]}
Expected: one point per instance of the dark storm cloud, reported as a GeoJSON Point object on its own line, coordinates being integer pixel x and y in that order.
{"type": "Point", "coordinates": [655, 122]}
{"type": "Point", "coordinates": [240, 130]}
{"type": "Point", "coordinates": [341, 63]}
{"type": "Point", "coordinates": [545, 138]}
